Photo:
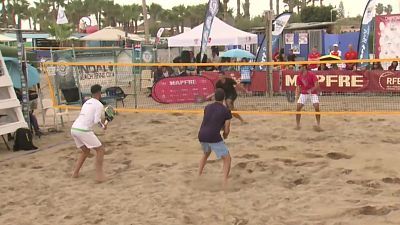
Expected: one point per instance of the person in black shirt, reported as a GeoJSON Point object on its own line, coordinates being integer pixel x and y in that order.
{"type": "Point", "coordinates": [229, 86]}
{"type": "Point", "coordinates": [216, 118]}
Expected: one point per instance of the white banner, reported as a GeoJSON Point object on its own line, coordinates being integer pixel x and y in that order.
{"type": "Point", "coordinates": [61, 17]}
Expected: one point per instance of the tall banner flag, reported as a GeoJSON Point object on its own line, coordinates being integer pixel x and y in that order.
{"type": "Point", "coordinates": [159, 33]}
{"type": "Point", "coordinates": [279, 24]}
{"type": "Point", "coordinates": [363, 47]}
{"type": "Point", "coordinates": [212, 10]}
{"type": "Point", "coordinates": [61, 17]}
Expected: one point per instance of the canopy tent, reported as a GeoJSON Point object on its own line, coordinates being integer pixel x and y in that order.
{"type": "Point", "coordinates": [13, 68]}
{"type": "Point", "coordinates": [221, 34]}
{"type": "Point", "coordinates": [110, 34]}
{"type": "Point", "coordinates": [4, 38]}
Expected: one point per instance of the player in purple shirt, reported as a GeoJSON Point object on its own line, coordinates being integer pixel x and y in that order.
{"type": "Point", "coordinates": [216, 118]}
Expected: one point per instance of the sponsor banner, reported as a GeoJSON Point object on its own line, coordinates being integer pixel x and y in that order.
{"type": "Point", "coordinates": [188, 89]}
{"type": "Point", "coordinates": [279, 23]}
{"type": "Point", "coordinates": [212, 10]}
{"type": "Point", "coordinates": [387, 27]}
{"type": "Point", "coordinates": [366, 24]}
{"type": "Point", "coordinates": [348, 81]}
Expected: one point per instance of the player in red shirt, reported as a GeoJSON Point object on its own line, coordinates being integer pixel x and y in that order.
{"type": "Point", "coordinates": [307, 87]}
{"type": "Point", "coordinates": [350, 55]}
{"type": "Point", "coordinates": [314, 56]}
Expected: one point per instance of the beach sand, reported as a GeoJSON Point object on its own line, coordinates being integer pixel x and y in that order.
{"type": "Point", "coordinates": [348, 174]}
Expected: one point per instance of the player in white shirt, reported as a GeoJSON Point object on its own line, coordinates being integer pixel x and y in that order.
{"type": "Point", "coordinates": [84, 137]}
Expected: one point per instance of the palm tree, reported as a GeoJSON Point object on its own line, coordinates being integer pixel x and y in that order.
{"type": "Point", "coordinates": [155, 10]}
{"type": "Point", "coordinates": [271, 4]}
{"type": "Point", "coordinates": [180, 12]}
{"type": "Point", "coordinates": [136, 14]}
{"type": "Point", "coordinates": [75, 10]}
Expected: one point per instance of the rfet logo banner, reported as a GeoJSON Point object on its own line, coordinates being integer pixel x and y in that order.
{"type": "Point", "coordinates": [186, 89]}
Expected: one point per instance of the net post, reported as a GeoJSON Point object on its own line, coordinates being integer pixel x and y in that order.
{"type": "Point", "coordinates": [269, 14]}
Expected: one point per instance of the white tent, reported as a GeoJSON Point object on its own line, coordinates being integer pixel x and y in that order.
{"type": "Point", "coordinates": [4, 38]}
{"type": "Point", "coordinates": [221, 34]}
{"type": "Point", "coordinates": [110, 34]}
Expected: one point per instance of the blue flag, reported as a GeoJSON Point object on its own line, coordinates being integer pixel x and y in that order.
{"type": "Point", "coordinates": [363, 47]}
{"type": "Point", "coordinates": [279, 24]}
{"type": "Point", "coordinates": [212, 10]}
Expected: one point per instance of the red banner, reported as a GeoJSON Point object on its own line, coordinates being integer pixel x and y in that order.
{"type": "Point", "coordinates": [348, 81]}
{"type": "Point", "coordinates": [186, 89]}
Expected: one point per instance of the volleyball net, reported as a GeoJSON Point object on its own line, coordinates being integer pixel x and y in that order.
{"type": "Point", "coordinates": [183, 87]}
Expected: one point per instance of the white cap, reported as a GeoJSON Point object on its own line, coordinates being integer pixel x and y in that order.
{"type": "Point", "coordinates": [335, 45]}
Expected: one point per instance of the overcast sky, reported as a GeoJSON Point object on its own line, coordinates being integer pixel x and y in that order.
{"type": "Point", "coordinates": [352, 7]}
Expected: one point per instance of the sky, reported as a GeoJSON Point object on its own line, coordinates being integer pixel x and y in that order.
{"type": "Point", "coordinates": [257, 7]}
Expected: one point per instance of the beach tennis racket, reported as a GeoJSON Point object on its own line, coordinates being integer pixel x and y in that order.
{"type": "Point", "coordinates": [109, 114]}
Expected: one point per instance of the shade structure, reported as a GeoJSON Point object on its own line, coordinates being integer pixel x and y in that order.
{"type": "Point", "coordinates": [13, 68]}
{"type": "Point", "coordinates": [329, 57]}
{"type": "Point", "coordinates": [4, 38]}
{"type": "Point", "coordinates": [221, 34]}
{"type": "Point", "coordinates": [238, 53]}
{"type": "Point", "coordinates": [110, 34]}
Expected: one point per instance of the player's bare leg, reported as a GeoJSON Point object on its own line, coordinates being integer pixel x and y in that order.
{"type": "Point", "coordinates": [298, 115]}
{"type": "Point", "coordinates": [226, 168]}
{"type": "Point", "coordinates": [82, 157]}
{"type": "Point", "coordinates": [203, 162]}
{"type": "Point", "coordinates": [317, 117]}
{"type": "Point", "coordinates": [100, 177]}
{"type": "Point", "coordinates": [231, 106]}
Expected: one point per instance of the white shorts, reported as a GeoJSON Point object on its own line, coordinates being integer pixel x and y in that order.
{"type": "Point", "coordinates": [305, 97]}
{"type": "Point", "coordinates": [85, 138]}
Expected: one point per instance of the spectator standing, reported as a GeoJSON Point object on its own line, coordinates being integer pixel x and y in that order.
{"type": "Point", "coordinates": [314, 56]}
{"type": "Point", "coordinates": [393, 66]}
{"type": "Point", "coordinates": [377, 66]}
{"type": "Point", "coordinates": [291, 56]}
{"type": "Point", "coordinates": [245, 75]}
{"type": "Point", "coordinates": [336, 51]}
{"type": "Point", "coordinates": [350, 55]}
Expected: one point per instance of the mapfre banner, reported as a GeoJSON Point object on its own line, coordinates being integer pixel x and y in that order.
{"type": "Point", "coordinates": [186, 89]}
{"type": "Point", "coordinates": [346, 81]}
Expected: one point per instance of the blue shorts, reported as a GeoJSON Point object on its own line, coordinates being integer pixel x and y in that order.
{"type": "Point", "coordinates": [218, 148]}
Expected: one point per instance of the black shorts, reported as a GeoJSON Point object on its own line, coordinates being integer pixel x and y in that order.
{"type": "Point", "coordinates": [231, 97]}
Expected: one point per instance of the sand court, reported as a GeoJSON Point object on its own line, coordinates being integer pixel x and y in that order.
{"type": "Point", "coordinates": [347, 174]}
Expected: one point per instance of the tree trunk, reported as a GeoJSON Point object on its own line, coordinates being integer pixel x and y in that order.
{"type": "Point", "coordinates": [146, 22]}
{"type": "Point", "coordinates": [277, 7]}
{"type": "Point", "coordinates": [321, 3]}
{"type": "Point", "coordinates": [313, 2]}
{"type": "Point", "coordinates": [238, 8]}
{"type": "Point", "coordinates": [136, 26]}
{"type": "Point", "coordinates": [30, 24]}
{"type": "Point", "coordinates": [3, 4]}
{"type": "Point", "coordinates": [225, 10]}
{"type": "Point", "coordinates": [271, 4]}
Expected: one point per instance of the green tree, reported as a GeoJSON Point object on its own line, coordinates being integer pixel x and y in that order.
{"type": "Point", "coordinates": [317, 14]}
{"type": "Point", "coordinates": [136, 15]}
{"type": "Point", "coordinates": [341, 13]}
{"type": "Point", "coordinates": [388, 9]}
{"type": "Point", "coordinates": [61, 32]}
{"type": "Point", "coordinates": [379, 9]}
{"type": "Point", "coordinates": [180, 12]}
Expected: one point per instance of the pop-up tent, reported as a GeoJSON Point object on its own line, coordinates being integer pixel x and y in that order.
{"type": "Point", "coordinates": [221, 34]}
{"type": "Point", "coordinates": [110, 34]}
